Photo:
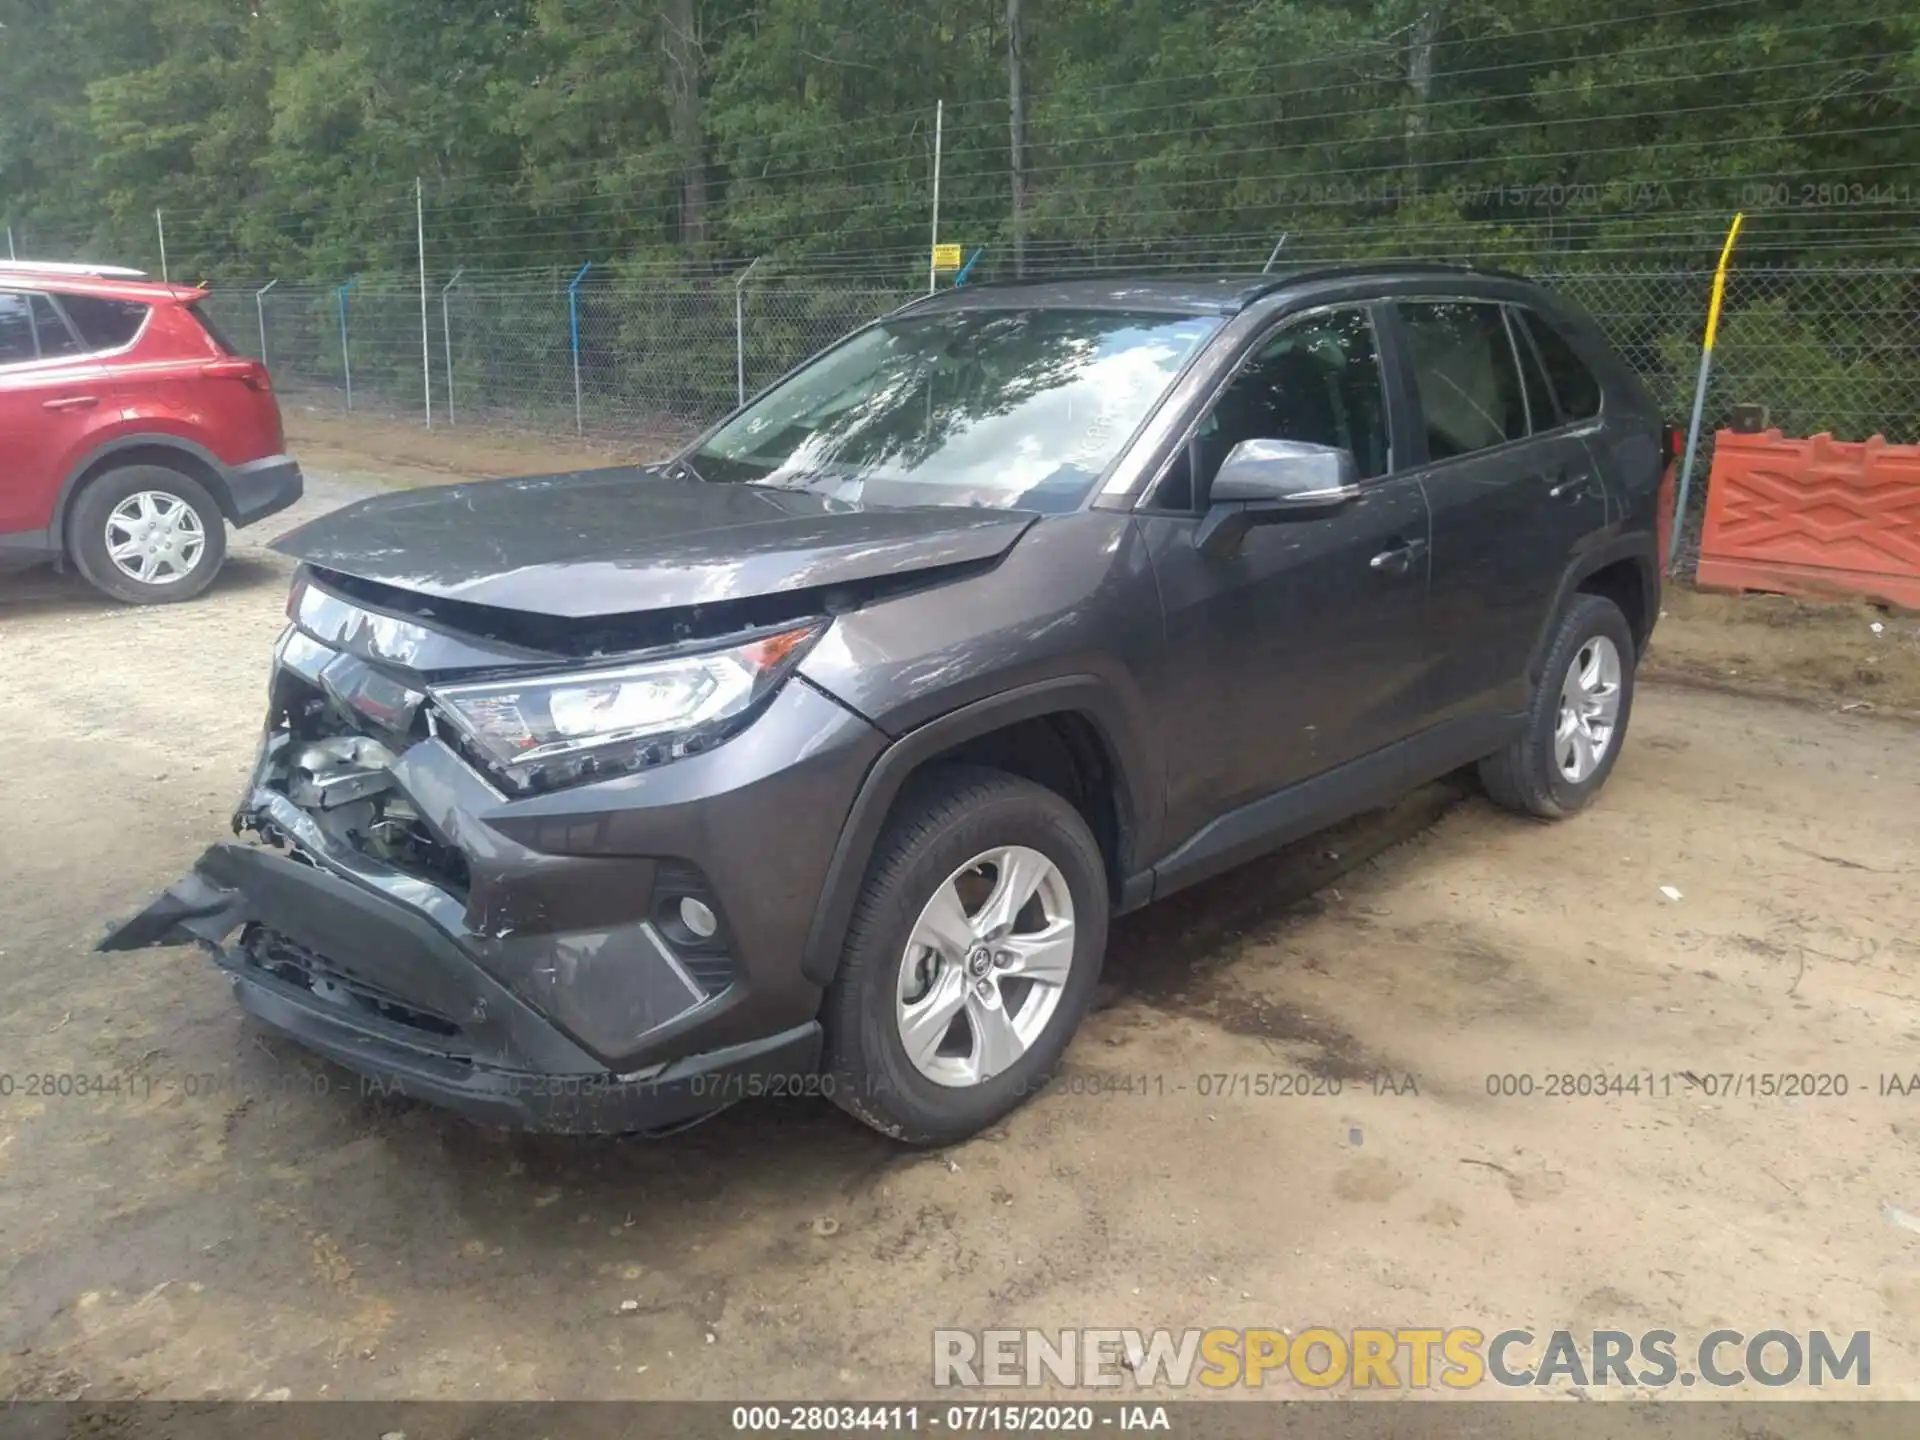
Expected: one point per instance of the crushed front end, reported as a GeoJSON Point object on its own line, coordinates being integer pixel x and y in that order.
{"type": "Point", "coordinates": [583, 939]}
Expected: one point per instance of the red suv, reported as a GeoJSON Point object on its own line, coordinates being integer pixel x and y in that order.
{"type": "Point", "coordinates": [131, 432]}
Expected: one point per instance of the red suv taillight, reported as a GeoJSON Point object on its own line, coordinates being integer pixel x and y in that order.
{"type": "Point", "coordinates": [250, 373]}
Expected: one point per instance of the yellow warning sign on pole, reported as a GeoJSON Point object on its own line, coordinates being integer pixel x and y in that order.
{"type": "Point", "coordinates": [946, 257]}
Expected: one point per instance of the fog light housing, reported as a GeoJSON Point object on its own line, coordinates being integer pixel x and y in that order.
{"type": "Point", "coordinates": [699, 918]}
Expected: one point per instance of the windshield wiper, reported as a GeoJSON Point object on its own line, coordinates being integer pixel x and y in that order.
{"type": "Point", "coordinates": [803, 481]}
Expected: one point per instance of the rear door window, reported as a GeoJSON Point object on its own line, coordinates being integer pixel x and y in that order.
{"type": "Point", "coordinates": [1573, 382]}
{"type": "Point", "coordinates": [51, 329]}
{"type": "Point", "coordinates": [1469, 384]}
{"type": "Point", "coordinates": [104, 324]}
{"type": "Point", "coordinates": [1541, 408]}
{"type": "Point", "coordinates": [16, 330]}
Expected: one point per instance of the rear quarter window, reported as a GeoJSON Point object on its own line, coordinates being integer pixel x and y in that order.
{"type": "Point", "coordinates": [199, 312]}
{"type": "Point", "coordinates": [104, 324]}
{"type": "Point", "coordinates": [1572, 381]}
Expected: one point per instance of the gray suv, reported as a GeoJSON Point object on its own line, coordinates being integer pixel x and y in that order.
{"type": "Point", "coordinates": [817, 759]}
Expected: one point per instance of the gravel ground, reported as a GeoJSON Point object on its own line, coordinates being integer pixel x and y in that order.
{"type": "Point", "coordinates": [242, 1222]}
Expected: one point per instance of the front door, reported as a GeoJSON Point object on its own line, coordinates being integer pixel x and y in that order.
{"type": "Point", "coordinates": [51, 401]}
{"type": "Point", "coordinates": [1303, 650]}
{"type": "Point", "coordinates": [1513, 492]}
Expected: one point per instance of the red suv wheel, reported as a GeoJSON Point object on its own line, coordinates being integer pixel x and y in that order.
{"type": "Point", "coordinates": [147, 535]}
{"type": "Point", "coordinates": [136, 431]}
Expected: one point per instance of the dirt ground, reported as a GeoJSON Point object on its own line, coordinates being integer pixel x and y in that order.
{"type": "Point", "coordinates": [383, 451]}
{"type": "Point", "coordinates": [238, 1221]}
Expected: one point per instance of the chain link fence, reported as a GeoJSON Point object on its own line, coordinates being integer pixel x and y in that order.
{"type": "Point", "coordinates": [611, 356]}
{"type": "Point", "coordinates": [622, 355]}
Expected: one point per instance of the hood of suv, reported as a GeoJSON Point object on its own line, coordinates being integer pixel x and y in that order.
{"type": "Point", "coordinates": [617, 541]}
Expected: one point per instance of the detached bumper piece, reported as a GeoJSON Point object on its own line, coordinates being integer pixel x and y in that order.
{"type": "Point", "coordinates": [375, 986]}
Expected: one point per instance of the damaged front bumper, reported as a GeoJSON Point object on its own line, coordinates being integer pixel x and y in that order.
{"type": "Point", "coordinates": [517, 959]}
{"type": "Point", "coordinates": [411, 1012]}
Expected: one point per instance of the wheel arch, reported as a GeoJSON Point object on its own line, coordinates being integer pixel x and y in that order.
{"type": "Point", "coordinates": [170, 451]}
{"type": "Point", "coordinates": [1065, 734]}
{"type": "Point", "coordinates": [1625, 571]}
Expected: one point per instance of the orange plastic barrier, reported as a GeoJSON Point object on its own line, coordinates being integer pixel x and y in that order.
{"type": "Point", "coordinates": [1818, 517]}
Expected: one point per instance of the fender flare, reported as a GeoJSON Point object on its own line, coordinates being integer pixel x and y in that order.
{"type": "Point", "coordinates": [1086, 696]}
{"type": "Point", "coordinates": [1638, 546]}
{"type": "Point", "coordinates": [197, 461]}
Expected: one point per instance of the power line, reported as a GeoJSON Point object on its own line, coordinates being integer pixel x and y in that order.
{"type": "Point", "coordinates": [517, 225]}
{"type": "Point", "coordinates": [920, 115]}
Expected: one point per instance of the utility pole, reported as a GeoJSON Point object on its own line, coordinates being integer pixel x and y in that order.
{"type": "Point", "coordinates": [939, 127]}
{"type": "Point", "coordinates": [160, 226]}
{"type": "Point", "coordinates": [1425, 37]}
{"type": "Point", "coordinates": [426, 352]}
{"type": "Point", "coordinates": [1017, 126]}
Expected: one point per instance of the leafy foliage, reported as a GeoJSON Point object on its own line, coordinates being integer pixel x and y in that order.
{"type": "Point", "coordinates": [286, 137]}
{"type": "Point", "coordinates": [669, 141]}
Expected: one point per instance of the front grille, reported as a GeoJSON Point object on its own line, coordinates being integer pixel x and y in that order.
{"type": "Point", "coordinates": [294, 964]}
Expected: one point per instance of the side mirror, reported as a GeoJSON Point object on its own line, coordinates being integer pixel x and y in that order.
{"type": "Point", "coordinates": [1263, 482]}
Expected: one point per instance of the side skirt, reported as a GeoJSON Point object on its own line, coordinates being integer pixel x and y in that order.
{"type": "Point", "coordinates": [1328, 798]}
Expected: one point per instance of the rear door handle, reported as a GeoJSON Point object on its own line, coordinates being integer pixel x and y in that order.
{"type": "Point", "coordinates": [1570, 487]}
{"type": "Point", "coordinates": [1398, 558]}
{"type": "Point", "coordinates": [70, 402]}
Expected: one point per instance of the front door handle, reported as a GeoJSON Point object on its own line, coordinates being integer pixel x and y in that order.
{"type": "Point", "coordinates": [1398, 557]}
{"type": "Point", "coordinates": [70, 402]}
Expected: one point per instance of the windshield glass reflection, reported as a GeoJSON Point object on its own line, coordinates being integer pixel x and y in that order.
{"type": "Point", "coordinates": [1009, 408]}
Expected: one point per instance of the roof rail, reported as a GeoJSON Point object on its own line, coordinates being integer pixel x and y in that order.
{"type": "Point", "coordinates": [60, 267]}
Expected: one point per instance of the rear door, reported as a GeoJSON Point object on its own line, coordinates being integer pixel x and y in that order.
{"type": "Point", "coordinates": [1302, 651]}
{"type": "Point", "coordinates": [52, 399]}
{"type": "Point", "coordinates": [1513, 492]}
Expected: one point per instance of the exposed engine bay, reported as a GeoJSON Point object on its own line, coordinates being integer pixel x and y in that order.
{"type": "Point", "coordinates": [320, 756]}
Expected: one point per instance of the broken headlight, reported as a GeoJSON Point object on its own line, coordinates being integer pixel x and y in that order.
{"type": "Point", "coordinates": [539, 731]}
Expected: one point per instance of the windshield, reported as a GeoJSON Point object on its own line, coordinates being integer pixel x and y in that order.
{"type": "Point", "coordinates": [1009, 408]}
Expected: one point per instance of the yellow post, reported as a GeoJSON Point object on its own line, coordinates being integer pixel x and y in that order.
{"type": "Point", "coordinates": [1720, 281]}
{"type": "Point", "coordinates": [1700, 387]}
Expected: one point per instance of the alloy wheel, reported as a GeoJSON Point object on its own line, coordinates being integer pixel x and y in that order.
{"type": "Point", "coordinates": [985, 966]}
{"type": "Point", "coordinates": [1589, 709]}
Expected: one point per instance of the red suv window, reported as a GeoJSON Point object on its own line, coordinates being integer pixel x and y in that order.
{"type": "Point", "coordinates": [206, 323]}
{"type": "Point", "coordinates": [55, 337]}
{"type": "Point", "coordinates": [104, 324]}
{"type": "Point", "coordinates": [16, 330]}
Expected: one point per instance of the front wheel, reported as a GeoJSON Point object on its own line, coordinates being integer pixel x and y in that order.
{"type": "Point", "coordinates": [147, 535]}
{"type": "Point", "coordinates": [1578, 718]}
{"type": "Point", "coordinates": [971, 958]}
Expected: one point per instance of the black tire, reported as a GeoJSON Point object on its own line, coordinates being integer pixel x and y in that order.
{"type": "Point", "coordinates": [1525, 776]}
{"type": "Point", "coordinates": [87, 534]}
{"type": "Point", "coordinates": [944, 819]}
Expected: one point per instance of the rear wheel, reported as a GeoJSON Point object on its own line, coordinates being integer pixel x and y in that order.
{"type": "Point", "coordinates": [1578, 718]}
{"type": "Point", "coordinates": [971, 959]}
{"type": "Point", "coordinates": [147, 535]}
